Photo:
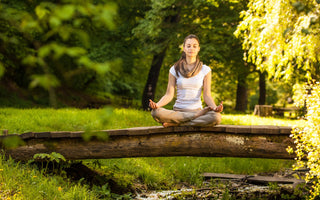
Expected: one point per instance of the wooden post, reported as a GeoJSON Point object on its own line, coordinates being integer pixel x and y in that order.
{"type": "Point", "coordinates": [263, 110]}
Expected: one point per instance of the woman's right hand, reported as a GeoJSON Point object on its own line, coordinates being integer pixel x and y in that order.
{"type": "Point", "coordinates": [219, 108]}
{"type": "Point", "coordinates": [153, 105]}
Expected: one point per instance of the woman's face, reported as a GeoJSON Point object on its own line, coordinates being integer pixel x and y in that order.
{"type": "Point", "coordinates": [191, 47]}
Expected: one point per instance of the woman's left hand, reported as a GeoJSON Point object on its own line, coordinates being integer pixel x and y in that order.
{"type": "Point", "coordinates": [219, 108]}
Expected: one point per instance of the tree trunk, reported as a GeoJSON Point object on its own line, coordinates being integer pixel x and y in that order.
{"type": "Point", "coordinates": [150, 87]}
{"type": "Point", "coordinates": [242, 97]}
{"type": "Point", "coordinates": [262, 88]}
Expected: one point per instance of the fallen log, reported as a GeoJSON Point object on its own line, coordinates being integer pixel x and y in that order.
{"type": "Point", "coordinates": [218, 141]}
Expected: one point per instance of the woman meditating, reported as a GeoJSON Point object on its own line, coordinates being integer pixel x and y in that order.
{"type": "Point", "coordinates": [189, 75]}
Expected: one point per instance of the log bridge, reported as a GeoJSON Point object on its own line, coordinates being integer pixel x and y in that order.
{"type": "Point", "coordinates": [219, 141]}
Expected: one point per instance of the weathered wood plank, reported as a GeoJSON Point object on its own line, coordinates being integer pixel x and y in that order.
{"type": "Point", "coordinates": [253, 178]}
{"type": "Point", "coordinates": [219, 141]}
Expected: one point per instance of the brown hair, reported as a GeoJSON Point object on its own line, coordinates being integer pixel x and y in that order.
{"type": "Point", "coordinates": [178, 64]}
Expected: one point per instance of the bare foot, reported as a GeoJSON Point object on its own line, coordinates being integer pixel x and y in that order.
{"type": "Point", "coordinates": [202, 112]}
{"type": "Point", "coordinates": [168, 124]}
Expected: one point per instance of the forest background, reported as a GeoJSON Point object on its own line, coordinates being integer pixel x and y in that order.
{"type": "Point", "coordinates": [102, 52]}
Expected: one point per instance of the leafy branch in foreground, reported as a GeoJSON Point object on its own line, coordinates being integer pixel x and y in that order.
{"type": "Point", "coordinates": [49, 42]}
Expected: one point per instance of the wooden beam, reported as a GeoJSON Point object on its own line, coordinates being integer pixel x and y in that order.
{"type": "Point", "coordinates": [218, 141]}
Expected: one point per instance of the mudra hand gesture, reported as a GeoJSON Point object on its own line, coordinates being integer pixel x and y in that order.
{"type": "Point", "coordinates": [153, 105]}
{"type": "Point", "coordinates": [219, 108]}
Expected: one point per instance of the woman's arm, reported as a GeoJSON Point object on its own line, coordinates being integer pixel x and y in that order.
{"type": "Point", "coordinates": [207, 94]}
{"type": "Point", "coordinates": [168, 96]}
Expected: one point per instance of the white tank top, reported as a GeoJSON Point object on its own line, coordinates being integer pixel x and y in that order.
{"type": "Point", "coordinates": [189, 89]}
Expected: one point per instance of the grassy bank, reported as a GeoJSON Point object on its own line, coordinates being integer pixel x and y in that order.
{"type": "Point", "coordinates": [142, 173]}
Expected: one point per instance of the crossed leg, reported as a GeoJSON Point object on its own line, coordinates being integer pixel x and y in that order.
{"type": "Point", "coordinates": [202, 117]}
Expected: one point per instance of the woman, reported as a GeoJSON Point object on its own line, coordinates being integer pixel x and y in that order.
{"type": "Point", "coordinates": [189, 75]}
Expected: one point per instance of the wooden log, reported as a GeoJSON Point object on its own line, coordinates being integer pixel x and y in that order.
{"type": "Point", "coordinates": [263, 110]}
{"type": "Point", "coordinates": [219, 141]}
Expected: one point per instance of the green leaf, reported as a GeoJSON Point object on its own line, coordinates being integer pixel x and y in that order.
{"type": "Point", "coordinates": [54, 22]}
{"type": "Point", "coordinates": [75, 51]}
{"type": "Point", "coordinates": [41, 12]}
{"type": "Point", "coordinates": [46, 81]}
{"type": "Point", "coordinates": [30, 60]}
{"type": "Point", "coordinates": [65, 12]}
{"type": "Point", "coordinates": [83, 37]}
{"type": "Point", "coordinates": [44, 51]}
{"type": "Point", "coordinates": [64, 32]}
{"type": "Point", "coordinates": [84, 60]}
{"type": "Point", "coordinates": [101, 68]}
{"type": "Point", "coordinates": [59, 50]}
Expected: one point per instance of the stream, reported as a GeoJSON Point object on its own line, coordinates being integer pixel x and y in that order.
{"type": "Point", "coordinates": [233, 191]}
{"type": "Point", "coordinates": [237, 189]}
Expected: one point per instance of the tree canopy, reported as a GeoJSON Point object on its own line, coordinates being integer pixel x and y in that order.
{"type": "Point", "coordinates": [282, 37]}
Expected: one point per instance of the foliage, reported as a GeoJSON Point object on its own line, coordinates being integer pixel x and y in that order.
{"type": "Point", "coordinates": [48, 42]}
{"type": "Point", "coordinates": [52, 158]}
{"type": "Point", "coordinates": [308, 139]}
{"type": "Point", "coordinates": [281, 37]}
{"type": "Point", "coordinates": [127, 75]}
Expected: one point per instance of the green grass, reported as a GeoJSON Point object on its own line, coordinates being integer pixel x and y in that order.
{"type": "Point", "coordinates": [71, 119]}
{"type": "Point", "coordinates": [21, 181]}
{"type": "Point", "coordinates": [26, 182]}
{"type": "Point", "coordinates": [167, 172]}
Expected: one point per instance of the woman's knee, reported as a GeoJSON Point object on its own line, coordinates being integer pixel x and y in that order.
{"type": "Point", "coordinates": [215, 117]}
{"type": "Point", "coordinates": [156, 113]}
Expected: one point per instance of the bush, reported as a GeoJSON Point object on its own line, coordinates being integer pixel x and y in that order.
{"type": "Point", "coordinates": [307, 138]}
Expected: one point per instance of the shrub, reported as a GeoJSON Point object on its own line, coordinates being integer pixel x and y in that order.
{"type": "Point", "coordinates": [307, 138]}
